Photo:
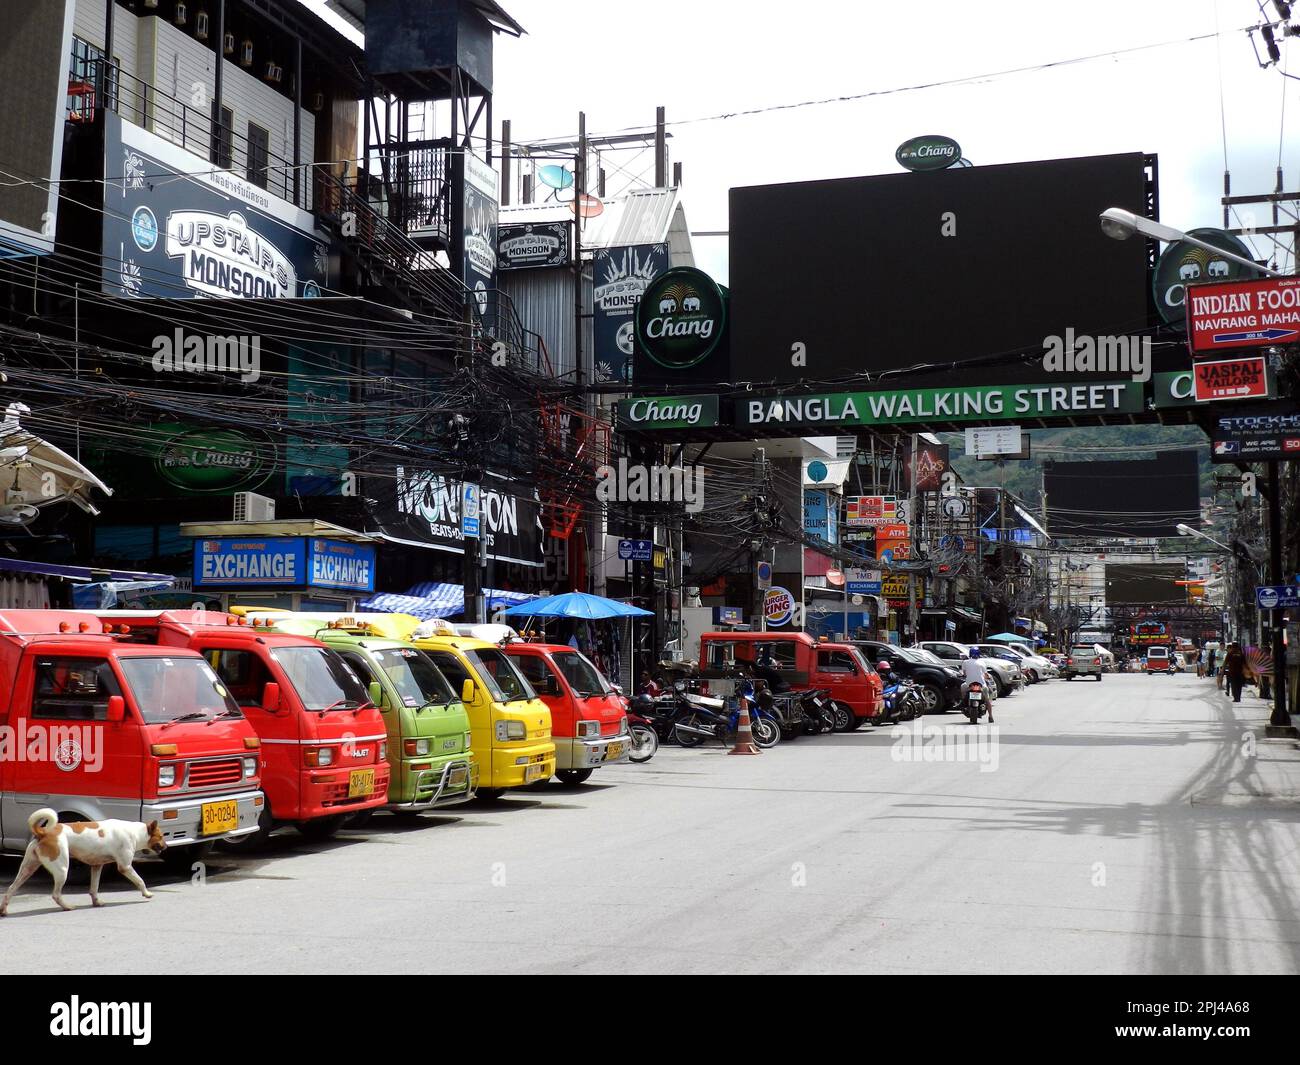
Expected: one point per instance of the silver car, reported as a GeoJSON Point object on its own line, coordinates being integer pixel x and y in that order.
{"type": "Point", "coordinates": [1008, 674]}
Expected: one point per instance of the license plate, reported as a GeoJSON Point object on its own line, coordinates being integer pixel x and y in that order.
{"type": "Point", "coordinates": [361, 782]}
{"type": "Point", "coordinates": [532, 773]}
{"type": "Point", "coordinates": [613, 751]}
{"type": "Point", "coordinates": [457, 777]}
{"type": "Point", "coordinates": [220, 818]}
{"type": "Point", "coordinates": [976, 698]}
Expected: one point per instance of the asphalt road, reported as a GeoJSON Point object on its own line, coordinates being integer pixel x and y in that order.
{"type": "Point", "coordinates": [1120, 826]}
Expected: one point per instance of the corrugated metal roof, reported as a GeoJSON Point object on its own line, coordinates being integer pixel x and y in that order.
{"type": "Point", "coordinates": [643, 216]}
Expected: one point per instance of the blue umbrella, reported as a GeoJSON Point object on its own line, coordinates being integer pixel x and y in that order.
{"type": "Point", "coordinates": [577, 605]}
{"type": "Point", "coordinates": [1010, 637]}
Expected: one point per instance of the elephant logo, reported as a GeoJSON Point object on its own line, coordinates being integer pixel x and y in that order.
{"type": "Point", "coordinates": [1189, 271]}
{"type": "Point", "coordinates": [1218, 268]}
{"type": "Point", "coordinates": [691, 303]}
{"type": "Point", "coordinates": [667, 306]}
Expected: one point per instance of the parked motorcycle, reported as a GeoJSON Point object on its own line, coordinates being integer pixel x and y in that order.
{"type": "Point", "coordinates": [820, 713]}
{"type": "Point", "coordinates": [708, 718]}
{"type": "Point", "coordinates": [904, 699]}
{"type": "Point", "coordinates": [640, 720]}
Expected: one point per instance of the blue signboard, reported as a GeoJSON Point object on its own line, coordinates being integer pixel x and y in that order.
{"type": "Point", "coordinates": [864, 587]}
{"type": "Point", "coordinates": [1277, 597]}
{"type": "Point", "coordinates": [277, 562]}
{"type": "Point", "coordinates": [284, 562]}
{"type": "Point", "coordinates": [819, 514]}
{"type": "Point", "coordinates": [341, 565]}
{"type": "Point", "coordinates": [636, 550]}
{"type": "Point", "coordinates": [469, 510]}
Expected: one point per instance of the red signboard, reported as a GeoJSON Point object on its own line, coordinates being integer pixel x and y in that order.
{"type": "Point", "coordinates": [1245, 378]}
{"type": "Point", "coordinates": [1243, 314]}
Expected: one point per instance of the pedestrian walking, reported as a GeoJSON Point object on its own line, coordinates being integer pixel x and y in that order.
{"type": "Point", "coordinates": [1200, 663]}
{"type": "Point", "coordinates": [1210, 661]}
{"type": "Point", "coordinates": [1234, 671]}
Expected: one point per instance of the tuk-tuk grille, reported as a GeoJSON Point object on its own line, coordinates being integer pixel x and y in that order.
{"type": "Point", "coordinates": [210, 774]}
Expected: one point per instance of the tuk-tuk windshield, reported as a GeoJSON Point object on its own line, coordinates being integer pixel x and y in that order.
{"type": "Point", "coordinates": [417, 680]}
{"type": "Point", "coordinates": [503, 680]}
{"type": "Point", "coordinates": [321, 678]}
{"type": "Point", "coordinates": [167, 689]}
{"type": "Point", "coordinates": [583, 677]}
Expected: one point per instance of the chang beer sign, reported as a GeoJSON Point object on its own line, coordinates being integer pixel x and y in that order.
{"type": "Point", "coordinates": [1184, 264]}
{"type": "Point", "coordinates": [667, 412]}
{"type": "Point", "coordinates": [681, 318]}
{"type": "Point", "coordinates": [211, 460]}
{"type": "Point", "coordinates": [930, 152]}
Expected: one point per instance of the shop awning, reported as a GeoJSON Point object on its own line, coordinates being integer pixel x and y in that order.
{"type": "Point", "coordinates": [80, 573]}
{"type": "Point", "coordinates": [430, 600]}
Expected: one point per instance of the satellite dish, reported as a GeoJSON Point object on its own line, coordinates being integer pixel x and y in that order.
{"type": "Point", "coordinates": [588, 206]}
{"type": "Point", "coordinates": [555, 177]}
{"type": "Point", "coordinates": [17, 514]}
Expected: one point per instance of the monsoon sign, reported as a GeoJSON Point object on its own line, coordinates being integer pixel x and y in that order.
{"type": "Point", "coordinates": [938, 405]}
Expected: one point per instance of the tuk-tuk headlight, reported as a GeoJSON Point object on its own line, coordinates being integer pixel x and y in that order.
{"type": "Point", "coordinates": [166, 776]}
{"type": "Point", "coordinates": [250, 768]}
{"type": "Point", "coordinates": [417, 747]}
{"type": "Point", "coordinates": [588, 730]}
{"type": "Point", "coordinates": [511, 730]}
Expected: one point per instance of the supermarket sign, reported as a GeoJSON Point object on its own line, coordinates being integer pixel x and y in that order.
{"type": "Point", "coordinates": [871, 510]}
{"type": "Point", "coordinates": [1243, 378]}
{"type": "Point", "coordinates": [1243, 314]}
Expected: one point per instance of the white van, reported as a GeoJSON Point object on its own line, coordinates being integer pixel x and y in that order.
{"type": "Point", "coordinates": [1159, 660]}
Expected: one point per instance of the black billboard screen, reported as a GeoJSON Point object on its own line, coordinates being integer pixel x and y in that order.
{"type": "Point", "coordinates": [887, 272]}
{"type": "Point", "coordinates": [1145, 583]}
{"type": "Point", "coordinates": [1140, 498]}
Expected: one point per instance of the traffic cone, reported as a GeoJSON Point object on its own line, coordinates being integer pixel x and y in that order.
{"type": "Point", "coordinates": [744, 737]}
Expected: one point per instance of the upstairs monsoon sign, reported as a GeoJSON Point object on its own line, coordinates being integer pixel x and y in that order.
{"type": "Point", "coordinates": [174, 230]}
{"type": "Point", "coordinates": [939, 405]}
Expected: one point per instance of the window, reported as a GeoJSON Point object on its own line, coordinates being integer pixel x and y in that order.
{"type": "Point", "coordinates": [538, 673]}
{"type": "Point", "coordinates": [222, 150]}
{"type": "Point", "coordinates": [415, 677]}
{"type": "Point", "coordinates": [242, 672]}
{"type": "Point", "coordinates": [85, 70]}
{"type": "Point", "coordinates": [776, 654]}
{"type": "Point", "coordinates": [835, 662]}
{"type": "Point", "coordinates": [321, 679]}
{"type": "Point", "coordinates": [171, 689]}
{"type": "Point", "coordinates": [259, 154]}
{"type": "Point", "coordinates": [583, 677]}
{"type": "Point", "coordinates": [74, 689]}
{"type": "Point", "coordinates": [506, 682]}
{"type": "Point", "coordinates": [451, 668]}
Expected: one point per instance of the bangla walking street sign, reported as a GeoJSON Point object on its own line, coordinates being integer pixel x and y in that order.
{"type": "Point", "coordinates": [925, 405]}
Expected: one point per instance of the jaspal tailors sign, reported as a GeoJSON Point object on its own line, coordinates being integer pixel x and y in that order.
{"type": "Point", "coordinates": [176, 230]}
{"type": "Point", "coordinates": [1240, 378]}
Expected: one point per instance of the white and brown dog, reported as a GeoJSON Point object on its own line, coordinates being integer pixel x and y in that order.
{"type": "Point", "coordinates": [96, 843]}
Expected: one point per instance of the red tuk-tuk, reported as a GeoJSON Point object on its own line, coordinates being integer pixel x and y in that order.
{"type": "Point", "coordinates": [798, 662]}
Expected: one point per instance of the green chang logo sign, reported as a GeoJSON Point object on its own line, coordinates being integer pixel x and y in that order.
{"type": "Point", "coordinates": [1184, 264]}
{"type": "Point", "coordinates": [931, 152]}
{"type": "Point", "coordinates": [680, 318]}
{"type": "Point", "coordinates": [215, 460]}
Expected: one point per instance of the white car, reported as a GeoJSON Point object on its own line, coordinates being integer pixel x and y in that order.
{"type": "Point", "coordinates": [1036, 667]}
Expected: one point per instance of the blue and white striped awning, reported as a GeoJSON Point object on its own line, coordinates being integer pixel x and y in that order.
{"type": "Point", "coordinates": [433, 600]}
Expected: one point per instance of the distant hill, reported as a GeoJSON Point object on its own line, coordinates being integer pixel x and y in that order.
{"type": "Point", "coordinates": [1025, 478]}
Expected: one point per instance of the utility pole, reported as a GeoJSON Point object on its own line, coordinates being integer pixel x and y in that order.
{"type": "Point", "coordinates": [760, 502]}
{"type": "Point", "coordinates": [1280, 719]}
{"type": "Point", "coordinates": [913, 613]}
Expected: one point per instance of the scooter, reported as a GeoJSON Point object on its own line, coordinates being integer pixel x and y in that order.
{"type": "Point", "coordinates": [645, 740]}
{"type": "Point", "coordinates": [975, 705]}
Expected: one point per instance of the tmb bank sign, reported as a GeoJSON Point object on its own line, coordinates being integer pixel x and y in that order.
{"type": "Point", "coordinates": [175, 230]}
{"type": "Point", "coordinates": [937, 405]}
{"type": "Point", "coordinates": [284, 562]}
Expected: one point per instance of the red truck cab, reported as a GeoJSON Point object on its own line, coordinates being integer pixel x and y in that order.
{"type": "Point", "coordinates": [324, 744]}
{"type": "Point", "coordinates": [795, 661]}
{"type": "Point", "coordinates": [95, 728]}
{"type": "Point", "coordinates": [588, 717]}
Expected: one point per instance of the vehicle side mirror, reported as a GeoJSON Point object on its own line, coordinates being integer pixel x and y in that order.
{"type": "Point", "coordinates": [376, 692]}
{"type": "Point", "coordinates": [467, 691]}
{"type": "Point", "coordinates": [116, 708]}
{"type": "Point", "coordinates": [271, 698]}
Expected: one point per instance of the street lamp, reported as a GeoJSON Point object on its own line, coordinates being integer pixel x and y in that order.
{"type": "Point", "coordinates": [1121, 224]}
{"type": "Point", "coordinates": [1187, 530]}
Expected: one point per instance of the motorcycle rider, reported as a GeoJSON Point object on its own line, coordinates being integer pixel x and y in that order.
{"type": "Point", "coordinates": [973, 671]}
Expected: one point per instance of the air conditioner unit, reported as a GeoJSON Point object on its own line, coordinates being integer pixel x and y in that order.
{"type": "Point", "coordinates": [249, 506]}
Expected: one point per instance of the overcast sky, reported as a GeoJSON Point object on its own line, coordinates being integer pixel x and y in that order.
{"type": "Point", "coordinates": [617, 60]}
